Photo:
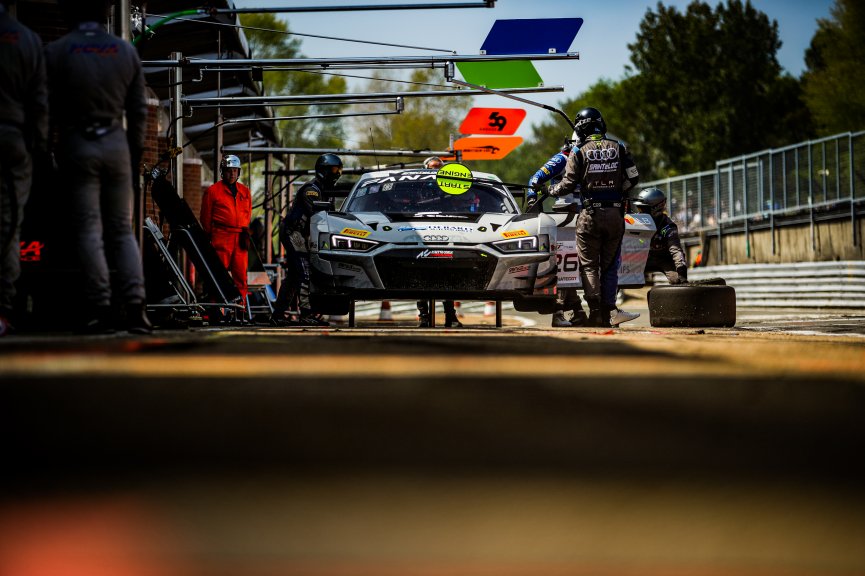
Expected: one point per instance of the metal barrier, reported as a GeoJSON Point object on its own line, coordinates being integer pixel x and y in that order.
{"type": "Point", "coordinates": [809, 175]}
{"type": "Point", "coordinates": [806, 284]}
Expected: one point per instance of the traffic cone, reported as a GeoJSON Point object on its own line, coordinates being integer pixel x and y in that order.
{"type": "Point", "coordinates": [457, 311]}
{"type": "Point", "coordinates": [385, 313]}
{"type": "Point", "coordinates": [490, 309]}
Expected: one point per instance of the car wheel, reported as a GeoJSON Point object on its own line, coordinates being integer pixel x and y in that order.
{"type": "Point", "coordinates": [692, 306]}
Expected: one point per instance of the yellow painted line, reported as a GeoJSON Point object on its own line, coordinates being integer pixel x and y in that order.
{"type": "Point", "coordinates": [389, 366]}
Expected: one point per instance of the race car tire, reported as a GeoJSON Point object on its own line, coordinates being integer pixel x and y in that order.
{"type": "Point", "coordinates": [540, 304]}
{"type": "Point", "coordinates": [692, 306]}
{"type": "Point", "coordinates": [330, 305]}
{"type": "Point", "coordinates": [708, 282]}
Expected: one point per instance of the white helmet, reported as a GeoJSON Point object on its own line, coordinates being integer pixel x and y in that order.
{"type": "Point", "coordinates": [229, 161]}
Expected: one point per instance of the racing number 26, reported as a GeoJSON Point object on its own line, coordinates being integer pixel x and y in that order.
{"type": "Point", "coordinates": [570, 262]}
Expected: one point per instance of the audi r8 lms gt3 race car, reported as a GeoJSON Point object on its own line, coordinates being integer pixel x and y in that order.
{"type": "Point", "coordinates": [403, 234]}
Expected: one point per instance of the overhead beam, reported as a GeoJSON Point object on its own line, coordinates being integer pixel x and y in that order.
{"type": "Point", "coordinates": [318, 99]}
{"type": "Point", "coordinates": [359, 61]}
{"type": "Point", "coordinates": [338, 151]}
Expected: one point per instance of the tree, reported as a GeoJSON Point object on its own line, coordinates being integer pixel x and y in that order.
{"type": "Point", "coordinates": [426, 123]}
{"type": "Point", "coordinates": [268, 39]}
{"type": "Point", "coordinates": [709, 85]}
{"type": "Point", "coordinates": [834, 76]}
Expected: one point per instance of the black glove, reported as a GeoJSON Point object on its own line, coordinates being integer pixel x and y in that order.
{"type": "Point", "coordinates": [680, 276]}
{"type": "Point", "coordinates": [530, 203]}
{"type": "Point", "coordinates": [243, 240]}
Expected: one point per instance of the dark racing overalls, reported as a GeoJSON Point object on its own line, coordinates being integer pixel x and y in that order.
{"type": "Point", "coordinates": [95, 81]}
{"type": "Point", "coordinates": [603, 170]}
{"type": "Point", "coordinates": [294, 236]}
{"type": "Point", "coordinates": [23, 130]}
{"type": "Point", "coordinates": [665, 253]}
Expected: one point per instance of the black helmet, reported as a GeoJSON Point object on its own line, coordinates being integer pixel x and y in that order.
{"type": "Point", "coordinates": [650, 201]}
{"type": "Point", "coordinates": [587, 122]}
{"type": "Point", "coordinates": [328, 169]}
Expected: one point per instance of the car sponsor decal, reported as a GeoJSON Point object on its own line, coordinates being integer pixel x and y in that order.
{"type": "Point", "coordinates": [435, 238]}
{"type": "Point", "coordinates": [410, 228]}
{"type": "Point", "coordinates": [515, 234]}
{"type": "Point", "coordinates": [516, 269]}
{"type": "Point", "coordinates": [435, 254]}
{"type": "Point", "coordinates": [355, 233]}
{"type": "Point", "coordinates": [454, 178]}
{"type": "Point", "coordinates": [386, 228]}
{"type": "Point", "coordinates": [349, 267]}
{"type": "Point", "coordinates": [630, 219]}
{"type": "Point", "coordinates": [482, 229]}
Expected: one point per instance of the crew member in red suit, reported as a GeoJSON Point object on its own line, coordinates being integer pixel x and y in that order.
{"type": "Point", "coordinates": [225, 212]}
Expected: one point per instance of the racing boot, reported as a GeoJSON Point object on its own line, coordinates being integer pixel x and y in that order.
{"type": "Point", "coordinates": [424, 321]}
{"type": "Point", "coordinates": [452, 322]}
{"type": "Point", "coordinates": [99, 320]}
{"type": "Point", "coordinates": [599, 315]}
{"type": "Point", "coordinates": [137, 321]}
{"type": "Point", "coordinates": [310, 319]}
{"type": "Point", "coordinates": [579, 317]}
{"type": "Point", "coordinates": [559, 320]}
{"type": "Point", "coordinates": [619, 316]}
{"type": "Point", "coordinates": [6, 327]}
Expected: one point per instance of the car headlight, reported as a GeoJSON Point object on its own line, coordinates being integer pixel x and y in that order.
{"type": "Point", "coordinates": [524, 244]}
{"type": "Point", "coordinates": [338, 242]}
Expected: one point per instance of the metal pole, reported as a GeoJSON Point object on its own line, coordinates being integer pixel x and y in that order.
{"type": "Point", "coordinates": [268, 212]}
{"type": "Point", "coordinates": [772, 200]}
{"type": "Point", "coordinates": [718, 214]}
{"type": "Point", "coordinates": [811, 196]}
{"type": "Point", "coordinates": [218, 136]}
{"type": "Point", "coordinates": [852, 193]}
{"type": "Point", "coordinates": [837, 169]}
{"type": "Point", "coordinates": [784, 176]}
{"type": "Point", "coordinates": [176, 111]}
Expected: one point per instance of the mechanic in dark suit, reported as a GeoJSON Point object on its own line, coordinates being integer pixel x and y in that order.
{"type": "Point", "coordinates": [603, 171]}
{"type": "Point", "coordinates": [294, 236]}
{"type": "Point", "coordinates": [95, 80]}
{"type": "Point", "coordinates": [451, 319]}
{"type": "Point", "coordinates": [665, 254]}
{"type": "Point", "coordinates": [23, 131]}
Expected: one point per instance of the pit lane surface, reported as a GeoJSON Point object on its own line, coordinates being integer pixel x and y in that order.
{"type": "Point", "coordinates": [392, 450]}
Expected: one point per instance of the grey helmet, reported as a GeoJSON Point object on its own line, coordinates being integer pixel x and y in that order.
{"type": "Point", "coordinates": [650, 201]}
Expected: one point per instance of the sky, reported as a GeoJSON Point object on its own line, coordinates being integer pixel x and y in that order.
{"type": "Point", "coordinates": [608, 27]}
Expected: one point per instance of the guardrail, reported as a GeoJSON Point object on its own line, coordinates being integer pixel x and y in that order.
{"type": "Point", "coordinates": [808, 284]}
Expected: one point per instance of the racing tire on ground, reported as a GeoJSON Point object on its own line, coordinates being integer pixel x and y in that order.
{"type": "Point", "coordinates": [692, 306]}
{"type": "Point", "coordinates": [708, 282]}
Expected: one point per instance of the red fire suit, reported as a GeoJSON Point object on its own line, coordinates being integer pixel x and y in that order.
{"type": "Point", "coordinates": [225, 218]}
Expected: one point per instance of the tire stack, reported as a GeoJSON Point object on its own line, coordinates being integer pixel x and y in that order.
{"type": "Point", "coordinates": [702, 304]}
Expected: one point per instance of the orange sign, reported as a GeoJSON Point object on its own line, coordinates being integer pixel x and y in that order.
{"type": "Point", "coordinates": [498, 121]}
{"type": "Point", "coordinates": [486, 147]}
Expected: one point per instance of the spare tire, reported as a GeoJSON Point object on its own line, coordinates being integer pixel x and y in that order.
{"type": "Point", "coordinates": [693, 306]}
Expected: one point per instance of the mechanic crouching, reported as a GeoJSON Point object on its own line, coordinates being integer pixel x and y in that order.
{"type": "Point", "coordinates": [603, 171]}
{"type": "Point", "coordinates": [665, 253]}
{"type": "Point", "coordinates": [225, 212]}
{"type": "Point", "coordinates": [295, 234]}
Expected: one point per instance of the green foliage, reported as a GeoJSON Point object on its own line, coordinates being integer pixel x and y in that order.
{"type": "Point", "coordinates": [270, 41]}
{"type": "Point", "coordinates": [834, 77]}
{"type": "Point", "coordinates": [425, 124]}
{"type": "Point", "coordinates": [709, 86]}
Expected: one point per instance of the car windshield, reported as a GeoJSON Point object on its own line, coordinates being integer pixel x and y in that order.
{"type": "Point", "coordinates": [417, 193]}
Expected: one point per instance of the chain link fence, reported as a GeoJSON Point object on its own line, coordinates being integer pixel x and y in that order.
{"type": "Point", "coordinates": [824, 174]}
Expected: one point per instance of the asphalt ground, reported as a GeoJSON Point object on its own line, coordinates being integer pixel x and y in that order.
{"type": "Point", "coordinates": [388, 449]}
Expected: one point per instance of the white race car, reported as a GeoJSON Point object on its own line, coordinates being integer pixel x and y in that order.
{"type": "Point", "coordinates": [400, 235]}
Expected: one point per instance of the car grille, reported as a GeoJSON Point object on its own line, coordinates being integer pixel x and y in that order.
{"type": "Point", "coordinates": [421, 269]}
